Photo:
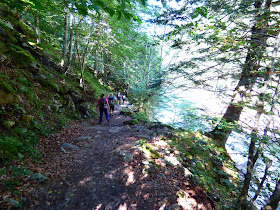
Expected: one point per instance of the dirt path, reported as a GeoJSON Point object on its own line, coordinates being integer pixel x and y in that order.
{"type": "Point", "coordinates": [109, 171]}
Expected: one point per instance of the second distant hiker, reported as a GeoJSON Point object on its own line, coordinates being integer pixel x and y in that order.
{"type": "Point", "coordinates": [111, 101]}
{"type": "Point", "coordinates": [123, 98]}
{"type": "Point", "coordinates": [103, 107]}
{"type": "Point", "coordinates": [119, 96]}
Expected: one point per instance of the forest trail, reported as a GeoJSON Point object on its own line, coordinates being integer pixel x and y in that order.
{"type": "Point", "coordinates": [107, 171]}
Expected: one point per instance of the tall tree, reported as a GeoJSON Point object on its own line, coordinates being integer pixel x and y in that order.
{"type": "Point", "coordinates": [255, 55]}
{"type": "Point", "coordinates": [225, 42]}
{"type": "Point", "coordinates": [65, 36]}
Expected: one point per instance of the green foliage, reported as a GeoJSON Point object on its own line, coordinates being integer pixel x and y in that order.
{"type": "Point", "coordinates": [10, 148]}
{"type": "Point", "coordinates": [22, 80]}
{"type": "Point", "coordinates": [141, 116]}
{"type": "Point", "coordinates": [23, 57]}
{"type": "Point", "coordinates": [94, 85]}
{"type": "Point", "coordinates": [18, 172]}
{"type": "Point", "coordinates": [208, 162]}
{"type": "Point", "coordinates": [227, 125]}
{"type": "Point", "coordinates": [148, 151]}
{"type": "Point", "coordinates": [8, 86]}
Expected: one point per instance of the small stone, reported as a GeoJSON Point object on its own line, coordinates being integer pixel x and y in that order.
{"type": "Point", "coordinates": [82, 138]}
{"type": "Point", "coordinates": [8, 24]}
{"type": "Point", "coordinates": [175, 207]}
{"type": "Point", "coordinates": [85, 124]}
{"type": "Point", "coordinates": [115, 129]}
{"type": "Point", "coordinates": [39, 178]}
{"type": "Point", "coordinates": [144, 136]}
{"type": "Point", "coordinates": [13, 202]}
{"type": "Point", "coordinates": [128, 157]}
{"type": "Point", "coordinates": [9, 123]}
{"type": "Point", "coordinates": [69, 146]}
{"type": "Point", "coordinates": [86, 145]}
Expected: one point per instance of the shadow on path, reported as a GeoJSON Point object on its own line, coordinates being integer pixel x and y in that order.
{"type": "Point", "coordinates": [109, 171]}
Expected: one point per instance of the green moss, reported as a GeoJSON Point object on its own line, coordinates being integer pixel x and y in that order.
{"type": "Point", "coordinates": [27, 29]}
{"type": "Point", "coordinates": [207, 163]}
{"type": "Point", "coordinates": [141, 116]}
{"type": "Point", "coordinates": [23, 57]}
{"type": "Point", "coordinates": [50, 83]}
{"type": "Point", "coordinates": [22, 80]}
{"type": "Point", "coordinates": [30, 94]}
{"type": "Point", "coordinates": [8, 86]}
{"type": "Point", "coordinates": [97, 88]}
{"type": "Point", "coordinates": [150, 152]}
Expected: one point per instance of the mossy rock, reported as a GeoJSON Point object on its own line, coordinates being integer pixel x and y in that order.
{"type": "Point", "coordinates": [126, 112]}
{"type": "Point", "coordinates": [150, 152]}
{"type": "Point", "coordinates": [8, 123]}
{"type": "Point", "coordinates": [47, 82]}
{"type": "Point", "coordinates": [131, 122]}
{"type": "Point", "coordinates": [23, 58]}
{"type": "Point", "coordinates": [8, 97]}
{"type": "Point", "coordinates": [27, 118]}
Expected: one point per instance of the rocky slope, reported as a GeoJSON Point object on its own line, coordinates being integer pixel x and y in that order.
{"type": "Point", "coordinates": [36, 98]}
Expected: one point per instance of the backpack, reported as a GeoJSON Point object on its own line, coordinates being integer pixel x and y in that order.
{"type": "Point", "coordinates": [101, 103]}
{"type": "Point", "coordinates": [123, 97]}
{"type": "Point", "coordinates": [111, 100]}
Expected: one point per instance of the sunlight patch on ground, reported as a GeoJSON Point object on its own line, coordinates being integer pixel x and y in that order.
{"type": "Point", "coordinates": [123, 207]}
{"type": "Point", "coordinates": [161, 143]}
{"type": "Point", "coordinates": [187, 201]}
{"type": "Point", "coordinates": [110, 174]}
{"type": "Point", "coordinates": [172, 159]}
{"type": "Point", "coordinates": [162, 147]}
{"type": "Point", "coordinates": [85, 180]}
{"type": "Point", "coordinates": [130, 176]}
{"type": "Point", "coordinates": [98, 206]}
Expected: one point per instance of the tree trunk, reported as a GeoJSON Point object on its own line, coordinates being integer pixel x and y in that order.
{"type": "Point", "coordinates": [254, 136]}
{"type": "Point", "coordinates": [69, 57]}
{"type": "Point", "coordinates": [267, 166]}
{"type": "Point", "coordinates": [252, 157]}
{"type": "Point", "coordinates": [274, 199]}
{"type": "Point", "coordinates": [37, 29]}
{"type": "Point", "coordinates": [64, 47]}
{"type": "Point", "coordinates": [248, 78]}
{"type": "Point", "coordinates": [83, 60]}
{"type": "Point", "coordinates": [96, 70]}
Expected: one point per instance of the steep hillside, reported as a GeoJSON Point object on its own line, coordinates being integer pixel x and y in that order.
{"type": "Point", "coordinates": [36, 97]}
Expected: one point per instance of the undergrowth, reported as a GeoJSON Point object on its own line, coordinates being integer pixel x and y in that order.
{"type": "Point", "coordinates": [210, 165]}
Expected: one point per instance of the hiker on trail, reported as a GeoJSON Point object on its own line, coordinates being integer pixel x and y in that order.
{"type": "Point", "coordinates": [119, 96]}
{"type": "Point", "coordinates": [111, 101]}
{"type": "Point", "coordinates": [123, 98]}
{"type": "Point", "coordinates": [103, 107]}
